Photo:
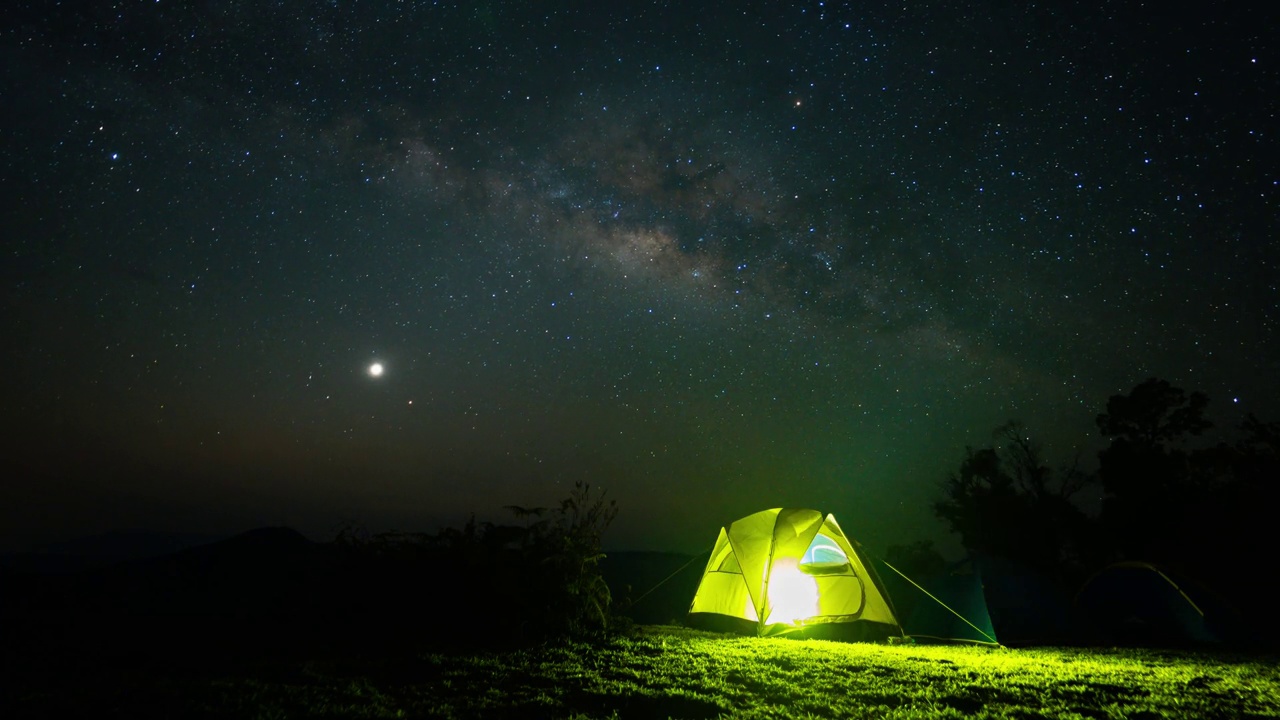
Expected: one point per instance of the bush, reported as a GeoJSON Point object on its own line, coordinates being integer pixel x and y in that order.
{"type": "Point", "coordinates": [562, 567]}
{"type": "Point", "coordinates": [484, 583]}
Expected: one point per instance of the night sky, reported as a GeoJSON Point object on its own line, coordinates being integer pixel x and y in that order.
{"type": "Point", "coordinates": [711, 256]}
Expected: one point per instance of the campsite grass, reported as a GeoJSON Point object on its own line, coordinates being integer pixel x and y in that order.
{"type": "Point", "coordinates": [673, 672]}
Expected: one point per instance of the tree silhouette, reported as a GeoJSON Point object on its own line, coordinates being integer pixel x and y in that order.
{"type": "Point", "coordinates": [1171, 496]}
{"type": "Point", "coordinates": [1004, 500]}
{"type": "Point", "coordinates": [1149, 474]}
{"type": "Point", "coordinates": [1204, 508]}
{"type": "Point", "coordinates": [1154, 414]}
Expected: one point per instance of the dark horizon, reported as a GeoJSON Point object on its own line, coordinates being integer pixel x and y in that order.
{"type": "Point", "coordinates": [710, 260]}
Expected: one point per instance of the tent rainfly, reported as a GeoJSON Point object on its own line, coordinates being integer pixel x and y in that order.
{"type": "Point", "coordinates": [1136, 603]}
{"type": "Point", "coordinates": [788, 570]}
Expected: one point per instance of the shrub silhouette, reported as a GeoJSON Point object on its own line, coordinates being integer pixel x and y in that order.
{"type": "Point", "coordinates": [562, 565]}
{"type": "Point", "coordinates": [484, 583]}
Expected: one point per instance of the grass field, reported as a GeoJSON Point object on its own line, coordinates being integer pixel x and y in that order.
{"type": "Point", "coordinates": [664, 672]}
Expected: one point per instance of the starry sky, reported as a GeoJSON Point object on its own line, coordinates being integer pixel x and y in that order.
{"type": "Point", "coordinates": [710, 256]}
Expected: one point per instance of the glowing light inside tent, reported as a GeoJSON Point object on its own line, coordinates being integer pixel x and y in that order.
{"type": "Point", "coordinates": [793, 594]}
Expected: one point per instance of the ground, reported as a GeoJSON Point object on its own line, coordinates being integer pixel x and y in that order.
{"type": "Point", "coordinates": [663, 672]}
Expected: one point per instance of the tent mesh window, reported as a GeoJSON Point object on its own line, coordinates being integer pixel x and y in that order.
{"type": "Point", "coordinates": [824, 557]}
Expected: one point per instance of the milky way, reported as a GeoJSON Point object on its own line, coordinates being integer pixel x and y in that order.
{"type": "Point", "coordinates": [711, 259]}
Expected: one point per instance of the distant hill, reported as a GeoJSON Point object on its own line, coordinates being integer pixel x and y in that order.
{"type": "Point", "coordinates": [130, 571]}
{"type": "Point", "coordinates": [265, 585]}
{"type": "Point", "coordinates": [273, 587]}
{"type": "Point", "coordinates": [95, 552]}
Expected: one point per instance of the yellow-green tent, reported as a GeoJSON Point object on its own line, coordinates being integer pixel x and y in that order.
{"type": "Point", "coordinates": [790, 570]}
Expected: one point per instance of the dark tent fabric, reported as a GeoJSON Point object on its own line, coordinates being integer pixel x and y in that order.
{"type": "Point", "coordinates": [1027, 607]}
{"type": "Point", "coordinates": [1136, 603]}
{"type": "Point", "coordinates": [963, 594]}
{"type": "Point", "coordinates": [923, 602]}
{"type": "Point", "coordinates": [1014, 604]}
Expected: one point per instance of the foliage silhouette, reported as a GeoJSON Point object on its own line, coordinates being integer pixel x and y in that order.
{"type": "Point", "coordinates": [1171, 496]}
{"type": "Point", "coordinates": [1149, 473]}
{"type": "Point", "coordinates": [487, 583]}
{"type": "Point", "coordinates": [1155, 414]}
{"type": "Point", "coordinates": [1004, 500]}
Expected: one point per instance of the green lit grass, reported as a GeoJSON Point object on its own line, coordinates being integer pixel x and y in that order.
{"type": "Point", "coordinates": [671, 672]}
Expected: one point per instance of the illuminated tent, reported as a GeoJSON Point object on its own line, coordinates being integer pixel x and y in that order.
{"type": "Point", "coordinates": [789, 570]}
